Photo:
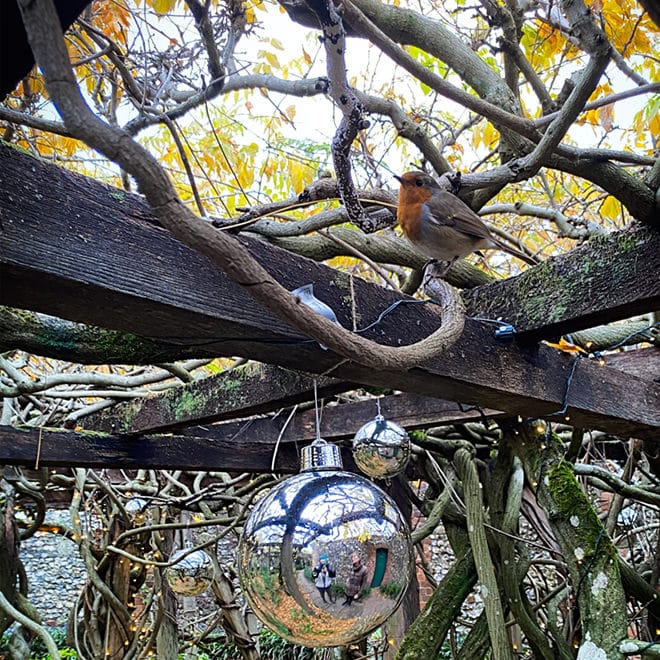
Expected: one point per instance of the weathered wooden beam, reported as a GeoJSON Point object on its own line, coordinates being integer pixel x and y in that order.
{"type": "Point", "coordinates": [246, 446]}
{"type": "Point", "coordinates": [243, 446]}
{"type": "Point", "coordinates": [261, 388]}
{"type": "Point", "coordinates": [253, 389]}
{"type": "Point", "coordinates": [642, 362]}
{"type": "Point", "coordinates": [611, 277]}
{"type": "Point", "coordinates": [83, 251]}
{"type": "Point", "coordinates": [606, 279]}
{"type": "Point", "coordinates": [57, 448]}
{"type": "Point", "coordinates": [341, 422]}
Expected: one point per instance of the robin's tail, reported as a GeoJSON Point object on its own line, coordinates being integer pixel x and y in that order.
{"type": "Point", "coordinates": [515, 253]}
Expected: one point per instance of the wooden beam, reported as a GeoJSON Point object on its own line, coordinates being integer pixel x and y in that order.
{"type": "Point", "coordinates": [231, 447]}
{"type": "Point", "coordinates": [55, 448]}
{"type": "Point", "coordinates": [341, 422]}
{"type": "Point", "coordinates": [80, 250]}
{"type": "Point", "coordinates": [643, 362]}
{"type": "Point", "coordinates": [606, 279]}
{"type": "Point", "coordinates": [242, 446]}
{"type": "Point", "coordinates": [254, 389]}
{"type": "Point", "coordinates": [262, 388]}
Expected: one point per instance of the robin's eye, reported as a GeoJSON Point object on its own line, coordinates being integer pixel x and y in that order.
{"type": "Point", "coordinates": [419, 182]}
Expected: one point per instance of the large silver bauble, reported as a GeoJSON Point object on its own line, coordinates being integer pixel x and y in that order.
{"type": "Point", "coordinates": [192, 574]}
{"type": "Point", "coordinates": [381, 448]}
{"type": "Point", "coordinates": [324, 512]}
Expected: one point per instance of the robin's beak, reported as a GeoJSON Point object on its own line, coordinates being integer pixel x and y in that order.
{"type": "Point", "coordinates": [398, 178]}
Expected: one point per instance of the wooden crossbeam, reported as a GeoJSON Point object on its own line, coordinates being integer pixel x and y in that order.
{"type": "Point", "coordinates": [340, 422]}
{"type": "Point", "coordinates": [57, 448]}
{"type": "Point", "coordinates": [80, 250]}
{"type": "Point", "coordinates": [263, 388]}
{"type": "Point", "coordinates": [609, 278]}
{"type": "Point", "coordinates": [265, 444]}
{"type": "Point", "coordinates": [266, 388]}
{"type": "Point", "coordinates": [643, 362]}
{"type": "Point", "coordinates": [242, 392]}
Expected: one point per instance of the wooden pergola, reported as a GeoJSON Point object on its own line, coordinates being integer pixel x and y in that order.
{"type": "Point", "coordinates": [79, 250]}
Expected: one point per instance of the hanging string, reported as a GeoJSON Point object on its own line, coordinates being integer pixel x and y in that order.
{"type": "Point", "coordinates": [316, 412]}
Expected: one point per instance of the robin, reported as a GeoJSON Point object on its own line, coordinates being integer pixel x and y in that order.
{"type": "Point", "coordinates": [440, 224]}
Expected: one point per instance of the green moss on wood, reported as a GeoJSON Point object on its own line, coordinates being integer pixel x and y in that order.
{"type": "Point", "coordinates": [417, 435]}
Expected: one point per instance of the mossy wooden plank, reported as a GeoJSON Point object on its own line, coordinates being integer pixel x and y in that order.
{"type": "Point", "coordinates": [251, 389]}
{"type": "Point", "coordinates": [609, 278]}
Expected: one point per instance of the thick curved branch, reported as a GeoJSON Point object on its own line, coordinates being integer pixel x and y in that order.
{"type": "Point", "coordinates": [30, 624]}
{"type": "Point", "coordinates": [47, 43]}
{"type": "Point", "coordinates": [406, 26]}
{"type": "Point", "coordinates": [493, 112]}
{"type": "Point", "coordinates": [353, 121]}
{"type": "Point", "coordinates": [634, 194]}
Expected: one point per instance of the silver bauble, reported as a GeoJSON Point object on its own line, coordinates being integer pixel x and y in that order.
{"type": "Point", "coordinates": [136, 508]}
{"type": "Point", "coordinates": [192, 574]}
{"type": "Point", "coordinates": [324, 512]}
{"type": "Point", "coordinates": [381, 448]}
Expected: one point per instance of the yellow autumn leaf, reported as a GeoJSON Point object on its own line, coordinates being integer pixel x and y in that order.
{"type": "Point", "coordinates": [162, 6]}
{"type": "Point", "coordinates": [654, 124]}
{"type": "Point", "coordinates": [271, 58]}
{"type": "Point", "coordinates": [565, 346]}
{"type": "Point", "coordinates": [611, 207]}
{"type": "Point", "coordinates": [477, 135]}
{"type": "Point", "coordinates": [490, 135]}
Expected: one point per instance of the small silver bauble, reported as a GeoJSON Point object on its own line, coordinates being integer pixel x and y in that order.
{"type": "Point", "coordinates": [324, 512]}
{"type": "Point", "coordinates": [192, 574]}
{"type": "Point", "coordinates": [381, 448]}
{"type": "Point", "coordinates": [136, 508]}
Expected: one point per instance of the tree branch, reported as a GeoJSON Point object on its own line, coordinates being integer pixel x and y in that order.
{"type": "Point", "coordinates": [46, 40]}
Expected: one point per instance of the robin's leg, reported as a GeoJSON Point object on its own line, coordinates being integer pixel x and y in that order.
{"type": "Point", "coordinates": [435, 268]}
